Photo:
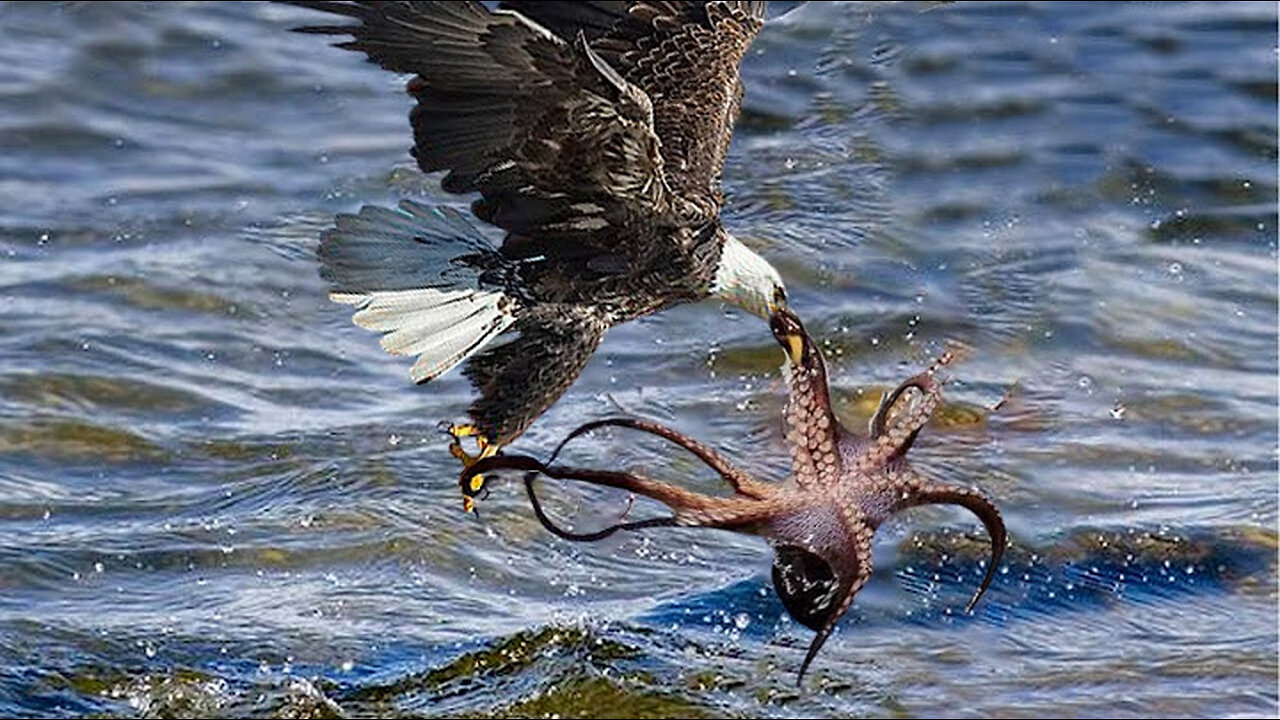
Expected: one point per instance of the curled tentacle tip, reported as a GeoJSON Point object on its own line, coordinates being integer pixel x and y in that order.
{"type": "Point", "coordinates": [804, 667]}
{"type": "Point", "coordinates": [957, 350]}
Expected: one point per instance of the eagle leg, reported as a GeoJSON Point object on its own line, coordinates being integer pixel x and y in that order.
{"type": "Point", "coordinates": [475, 484]}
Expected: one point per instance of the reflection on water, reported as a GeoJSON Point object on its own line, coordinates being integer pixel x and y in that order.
{"type": "Point", "coordinates": [218, 497]}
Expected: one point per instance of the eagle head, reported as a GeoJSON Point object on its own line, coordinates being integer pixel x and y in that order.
{"type": "Point", "coordinates": [748, 280]}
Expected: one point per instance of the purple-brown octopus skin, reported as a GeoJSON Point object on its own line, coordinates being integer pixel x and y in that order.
{"type": "Point", "coordinates": [821, 521]}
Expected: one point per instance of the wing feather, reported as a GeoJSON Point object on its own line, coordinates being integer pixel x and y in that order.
{"type": "Point", "coordinates": [555, 140]}
{"type": "Point", "coordinates": [685, 56]}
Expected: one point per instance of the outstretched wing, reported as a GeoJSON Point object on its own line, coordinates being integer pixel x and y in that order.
{"type": "Point", "coordinates": [685, 56]}
{"type": "Point", "coordinates": [559, 145]}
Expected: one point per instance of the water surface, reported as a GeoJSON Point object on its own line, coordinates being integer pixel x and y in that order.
{"type": "Point", "coordinates": [217, 496]}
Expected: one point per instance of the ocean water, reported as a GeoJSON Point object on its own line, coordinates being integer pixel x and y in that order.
{"type": "Point", "coordinates": [220, 498]}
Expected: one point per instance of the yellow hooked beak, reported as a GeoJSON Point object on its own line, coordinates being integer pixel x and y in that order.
{"type": "Point", "coordinates": [795, 348]}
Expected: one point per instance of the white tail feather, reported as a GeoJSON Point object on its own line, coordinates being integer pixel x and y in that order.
{"type": "Point", "coordinates": [441, 327]}
{"type": "Point", "coordinates": [431, 307]}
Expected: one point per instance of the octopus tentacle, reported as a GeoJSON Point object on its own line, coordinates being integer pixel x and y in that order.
{"type": "Point", "coordinates": [812, 431]}
{"type": "Point", "coordinates": [924, 383]}
{"type": "Point", "coordinates": [692, 509]}
{"type": "Point", "coordinates": [893, 434]}
{"type": "Point", "coordinates": [927, 492]}
{"type": "Point", "coordinates": [666, 493]}
{"type": "Point", "coordinates": [851, 581]}
{"type": "Point", "coordinates": [559, 532]}
{"type": "Point", "coordinates": [739, 480]}
{"type": "Point", "coordinates": [927, 383]}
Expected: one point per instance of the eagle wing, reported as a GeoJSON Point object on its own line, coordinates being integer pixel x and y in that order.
{"type": "Point", "coordinates": [562, 149]}
{"type": "Point", "coordinates": [685, 56]}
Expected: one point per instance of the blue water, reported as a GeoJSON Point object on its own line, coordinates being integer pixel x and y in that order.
{"type": "Point", "coordinates": [218, 497]}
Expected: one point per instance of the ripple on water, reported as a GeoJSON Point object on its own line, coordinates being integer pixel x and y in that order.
{"type": "Point", "coordinates": [218, 497]}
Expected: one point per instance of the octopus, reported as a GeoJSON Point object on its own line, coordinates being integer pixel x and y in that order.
{"type": "Point", "coordinates": [821, 520]}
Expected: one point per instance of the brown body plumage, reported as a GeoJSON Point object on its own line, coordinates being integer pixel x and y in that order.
{"type": "Point", "coordinates": [595, 134]}
{"type": "Point", "coordinates": [821, 523]}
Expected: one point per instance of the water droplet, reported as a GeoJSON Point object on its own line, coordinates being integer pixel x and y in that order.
{"type": "Point", "coordinates": [1117, 411]}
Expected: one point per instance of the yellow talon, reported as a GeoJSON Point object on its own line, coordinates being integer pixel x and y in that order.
{"type": "Point", "coordinates": [461, 430]}
{"type": "Point", "coordinates": [467, 459]}
{"type": "Point", "coordinates": [455, 449]}
{"type": "Point", "coordinates": [473, 485]}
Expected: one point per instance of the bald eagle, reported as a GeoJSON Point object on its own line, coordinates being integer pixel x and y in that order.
{"type": "Point", "coordinates": [595, 134]}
